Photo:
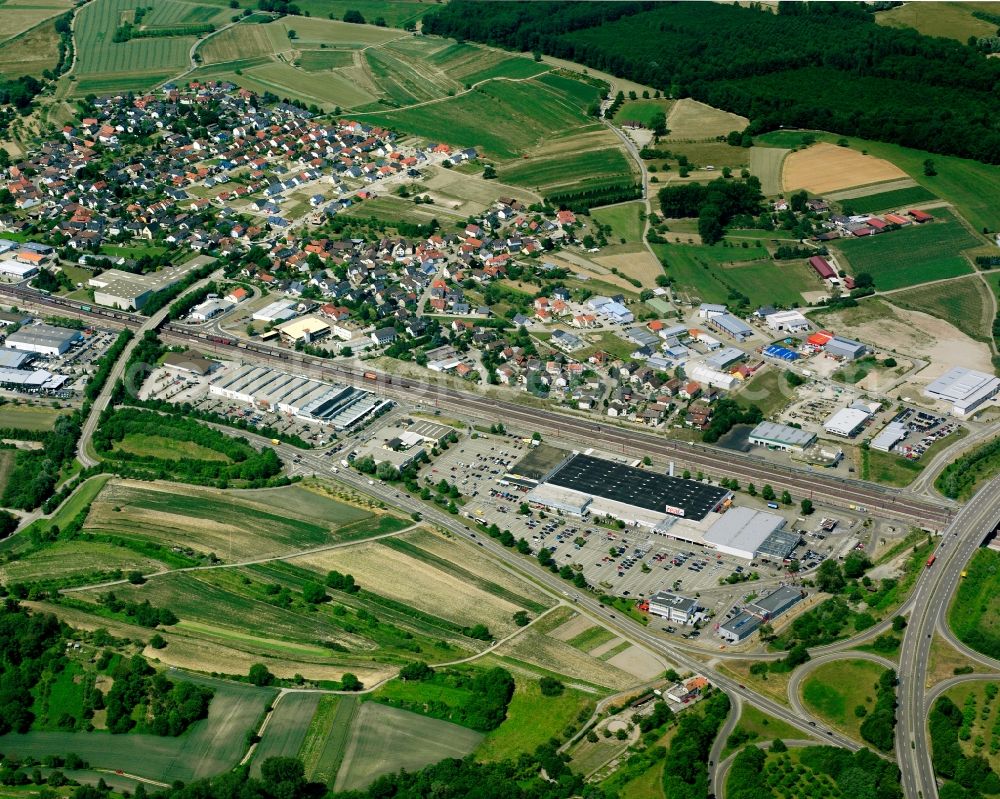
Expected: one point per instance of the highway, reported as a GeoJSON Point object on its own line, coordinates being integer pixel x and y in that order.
{"type": "Point", "coordinates": [977, 519]}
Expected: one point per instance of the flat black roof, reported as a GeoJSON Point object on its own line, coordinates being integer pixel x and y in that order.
{"type": "Point", "coordinates": [639, 487]}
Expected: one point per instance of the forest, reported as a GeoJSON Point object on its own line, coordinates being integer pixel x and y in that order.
{"type": "Point", "coordinates": [825, 66]}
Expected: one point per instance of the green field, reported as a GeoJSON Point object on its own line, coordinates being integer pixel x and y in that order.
{"type": "Point", "coordinates": [832, 691]}
{"type": "Point", "coordinates": [393, 209]}
{"type": "Point", "coordinates": [711, 273]}
{"type": "Point", "coordinates": [532, 719]}
{"type": "Point", "coordinates": [897, 199]}
{"type": "Point", "coordinates": [974, 614]}
{"type": "Point", "coordinates": [641, 111]}
{"type": "Point", "coordinates": [139, 63]}
{"type": "Point", "coordinates": [591, 638]}
{"type": "Point", "coordinates": [912, 255]}
{"type": "Point", "coordinates": [385, 739]}
{"type": "Point", "coordinates": [769, 390]}
{"type": "Point", "coordinates": [624, 219]}
{"type": "Point", "coordinates": [29, 417]}
{"type": "Point", "coordinates": [321, 60]}
{"type": "Point", "coordinates": [286, 728]}
{"type": "Point", "coordinates": [514, 68]}
{"type": "Point", "coordinates": [323, 748]}
{"type": "Point", "coordinates": [971, 186]}
{"type": "Point", "coordinates": [756, 725]}
{"type": "Point", "coordinates": [569, 171]}
{"type": "Point", "coordinates": [521, 115]}
{"type": "Point", "coordinates": [209, 747]}
{"type": "Point", "coordinates": [964, 303]}
{"type": "Point", "coordinates": [151, 445]}
{"type": "Point", "coordinates": [889, 469]}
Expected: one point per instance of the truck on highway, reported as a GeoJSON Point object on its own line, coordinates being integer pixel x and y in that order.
{"type": "Point", "coordinates": [930, 560]}
{"type": "Point", "coordinates": [964, 573]}
{"type": "Point", "coordinates": [275, 441]}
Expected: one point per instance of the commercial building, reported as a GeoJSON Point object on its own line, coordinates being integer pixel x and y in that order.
{"type": "Point", "coordinates": [277, 311]}
{"type": "Point", "coordinates": [126, 291]}
{"type": "Point", "coordinates": [16, 270]}
{"type": "Point", "coordinates": [740, 627]}
{"type": "Point", "coordinates": [675, 608]}
{"type": "Point", "coordinates": [891, 434]}
{"type": "Point", "coordinates": [765, 609]}
{"type": "Point", "coordinates": [583, 484]}
{"type": "Point", "coordinates": [731, 326]}
{"type": "Point", "coordinates": [846, 422]}
{"type": "Point", "coordinates": [964, 389]}
{"type": "Point", "coordinates": [32, 381]}
{"type": "Point", "coordinates": [14, 359]}
{"type": "Point", "coordinates": [43, 339]}
{"type": "Point", "coordinates": [781, 436]}
{"type": "Point", "coordinates": [788, 321]}
{"type": "Point", "coordinates": [745, 532]}
{"type": "Point", "coordinates": [845, 348]}
{"type": "Point", "coordinates": [304, 398]}
{"type": "Point", "coordinates": [305, 330]}
{"type": "Point", "coordinates": [209, 309]}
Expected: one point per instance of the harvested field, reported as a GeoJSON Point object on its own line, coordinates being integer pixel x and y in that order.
{"type": "Point", "coordinates": [638, 662]}
{"type": "Point", "coordinates": [766, 163]}
{"type": "Point", "coordinates": [540, 650]}
{"type": "Point", "coordinates": [210, 747]}
{"type": "Point", "coordinates": [640, 265]}
{"type": "Point", "coordinates": [234, 525]}
{"type": "Point", "coordinates": [468, 193]}
{"type": "Point", "coordinates": [30, 52]}
{"type": "Point", "coordinates": [405, 578]}
{"type": "Point", "coordinates": [19, 16]}
{"type": "Point", "coordinates": [240, 42]}
{"type": "Point", "coordinates": [689, 119]}
{"type": "Point", "coordinates": [286, 728]}
{"type": "Point", "coordinates": [385, 739]}
{"type": "Point", "coordinates": [825, 167]}
{"type": "Point", "coordinates": [572, 628]}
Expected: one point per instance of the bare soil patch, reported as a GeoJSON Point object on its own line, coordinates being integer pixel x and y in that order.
{"type": "Point", "coordinates": [571, 628]}
{"type": "Point", "coordinates": [638, 661]}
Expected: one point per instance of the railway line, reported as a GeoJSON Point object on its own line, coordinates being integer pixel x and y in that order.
{"type": "Point", "coordinates": [835, 491]}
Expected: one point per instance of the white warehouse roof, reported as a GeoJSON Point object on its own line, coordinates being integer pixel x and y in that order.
{"type": "Point", "coordinates": [888, 438]}
{"type": "Point", "coordinates": [965, 388]}
{"type": "Point", "coordinates": [846, 421]}
{"type": "Point", "coordinates": [742, 531]}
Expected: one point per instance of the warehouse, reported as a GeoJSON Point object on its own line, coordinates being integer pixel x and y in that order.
{"type": "Point", "coordinates": [711, 377]}
{"type": "Point", "coordinates": [675, 608]}
{"type": "Point", "coordinates": [635, 496]}
{"type": "Point", "coordinates": [209, 309]}
{"type": "Point", "coordinates": [781, 436]}
{"type": "Point", "coordinates": [127, 291]}
{"type": "Point", "coordinates": [731, 326]}
{"type": "Point", "coordinates": [845, 348]}
{"type": "Point", "coordinates": [846, 422]}
{"type": "Point", "coordinates": [277, 311]}
{"type": "Point", "coordinates": [761, 611]}
{"type": "Point", "coordinates": [724, 358]}
{"type": "Point", "coordinates": [15, 270]}
{"type": "Point", "coordinates": [306, 329]}
{"type": "Point", "coordinates": [789, 321]}
{"type": "Point", "coordinates": [891, 434]}
{"type": "Point", "coordinates": [14, 359]}
{"type": "Point", "coordinates": [744, 532]}
{"type": "Point", "coordinates": [43, 339]}
{"type": "Point", "coordinates": [964, 389]}
{"type": "Point", "coordinates": [307, 399]}
{"type": "Point", "coordinates": [32, 381]}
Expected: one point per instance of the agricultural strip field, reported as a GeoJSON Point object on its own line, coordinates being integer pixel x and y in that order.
{"type": "Point", "coordinates": [385, 739]}
{"type": "Point", "coordinates": [912, 255]}
{"type": "Point", "coordinates": [521, 114]}
{"type": "Point", "coordinates": [710, 273]}
{"type": "Point", "coordinates": [887, 200]}
{"type": "Point", "coordinates": [766, 163]}
{"type": "Point", "coordinates": [103, 64]}
{"type": "Point", "coordinates": [834, 690]}
{"type": "Point", "coordinates": [570, 171]}
{"type": "Point", "coordinates": [555, 657]}
{"type": "Point", "coordinates": [972, 187]}
{"type": "Point", "coordinates": [286, 729]}
{"type": "Point", "coordinates": [964, 303]}
{"type": "Point", "coordinates": [326, 740]}
{"type": "Point", "coordinates": [234, 525]}
{"type": "Point", "coordinates": [209, 747]}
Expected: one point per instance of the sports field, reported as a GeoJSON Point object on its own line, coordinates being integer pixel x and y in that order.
{"type": "Point", "coordinates": [834, 691]}
{"type": "Point", "coordinates": [209, 747]}
{"type": "Point", "coordinates": [964, 303]}
{"type": "Point", "coordinates": [385, 739]}
{"type": "Point", "coordinates": [826, 167]}
{"type": "Point", "coordinates": [912, 255]}
{"type": "Point", "coordinates": [886, 200]}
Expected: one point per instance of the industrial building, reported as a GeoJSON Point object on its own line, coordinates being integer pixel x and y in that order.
{"type": "Point", "coordinates": [675, 608]}
{"type": "Point", "coordinates": [127, 291]}
{"type": "Point", "coordinates": [32, 381]}
{"type": "Point", "coordinates": [190, 362]}
{"type": "Point", "coordinates": [209, 309]}
{"type": "Point", "coordinates": [845, 348]}
{"type": "Point", "coordinates": [15, 270]}
{"type": "Point", "coordinates": [765, 609]}
{"type": "Point", "coordinates": [305, 329]}
{"type": "Point", "coordinates": [14, 359]}
{"type": "Point", "coordinates": [781, 436]}
{"type": "Point", "coordinates": [846, 422]}
{"type": "Point", "coordinates": [715, 378]}
{"type": "Point", "coordinates": [964, 389]}
{"type": "Point", "coordinates": [582, 484]}
{"type": "Point", "coordinates": [788, 321]}
{"type": "Point", "coordinates": [731, 326]}
{"type": "Point", "coordinates": [43, 339]}
{"type": "Point", "coordinates": [748, 533]}
{"type": "Point", "coordinates": [277, 311]}
{"type": "Point", "coordinates": [304, 398]}
{"type": "Point", "coordinates": [891, 434]}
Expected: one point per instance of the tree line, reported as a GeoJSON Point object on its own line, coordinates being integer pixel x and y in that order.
{"type": "Point", "coordinates": [806, 66]}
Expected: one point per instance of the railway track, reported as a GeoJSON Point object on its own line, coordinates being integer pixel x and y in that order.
{"type": "Point", "coordinates": [838, 492]}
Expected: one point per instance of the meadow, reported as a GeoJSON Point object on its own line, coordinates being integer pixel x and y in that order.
{"type": "Point", "coordinates": [642, 111]}
{"type": "Point", "coordinates": [889, 469]}
{"type": "Point", "coordinates": [209, 747]}
{"type": "Point", "coordinates": [974, 614]}
{"type": "Point", "coordinates": [912, 255]}
{"type": "Point", "coordinates": [29, 417]}
{"type": "Point", "coordinates": [951, 20]}
{"type": "Point", "coordinates": [964, 303]}
{"type": "Point", "coordinates": [834, 691]}
{"type": "Point", "coordinates": [887, 200]}
{"type": "Point", "coordinates": [625, 220]}
{"type": "Point", "coordinates": [385, 739]}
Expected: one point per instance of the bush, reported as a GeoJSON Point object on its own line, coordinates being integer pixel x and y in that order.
{"type": "Point", "coordinates": [550, 686]}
